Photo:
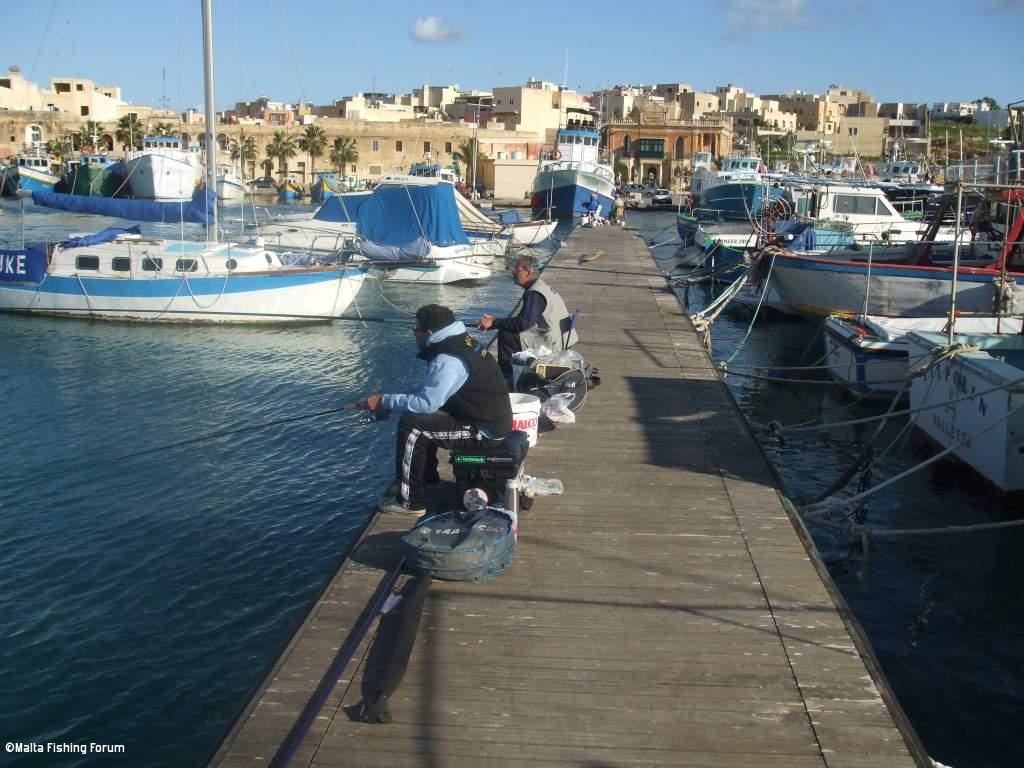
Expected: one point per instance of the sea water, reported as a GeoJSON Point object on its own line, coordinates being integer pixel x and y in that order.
{"type": "Point", "coordinates": [149, 588]}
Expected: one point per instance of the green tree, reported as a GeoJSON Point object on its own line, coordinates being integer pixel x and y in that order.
{"type": "Point", "coordinates": [281, 148]}
{"type": "Point", "coordinates": [129, 132]}
{"type": "Point", "coordinates": [313, 142]}
{"type": "Point", "coordinates": [163, 129]}
{"type": "Point", "coordinates": [242, 151]}
{"type": "Point", "coordinates": [465, 154]}
{"type": "Point", "coordinates": [344, 152]}
{"type": "Point", "coordinates": [992, 103]}
{"type": "Point", "coordinates": [621, 172]}
{"type": "Point", "coordinates": [84, 137]}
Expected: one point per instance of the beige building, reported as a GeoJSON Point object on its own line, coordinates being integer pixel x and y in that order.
{"type": "Point", "coordinates": [537, 107]}
{"type": "Point", "coordinates": [814, 113]}
{"type": "Point", "coordinates": [697, 105]}
{"type": "Point", "coordinates": [431, 99]}
{"type": "Point", "coordinates": [71, 95]}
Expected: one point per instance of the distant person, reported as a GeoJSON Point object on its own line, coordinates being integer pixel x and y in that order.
{"type": "Point", "coordinates": [619, 211]}
{"type": "Point", "coordinates": [542, 318]}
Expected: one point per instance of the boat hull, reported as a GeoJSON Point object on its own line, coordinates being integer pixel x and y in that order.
{"type": "Point", "coordinates": [817, 287]}
{"type": "Point", "coordinates": [29, 180]}
{"type": "Point", "coordinates": [569, 191]}
{"type": "Point", "coordinates": [997, 454]}
{"type": "Point", "coordinates": [870, 368]}
{"type": "Point", "coordinates": [95, 181]}
{"type": "Point", "coordinates": [739, 200]}
{"type": "Point", "coordinates": [282, 296]}
{"type": "Point", "coordinates": [154, 176]}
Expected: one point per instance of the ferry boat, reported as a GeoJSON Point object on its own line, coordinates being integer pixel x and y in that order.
{"type": "Point", "coordinates": [163, 169]}
{"type": "Point", "coordinates": [572, 176]}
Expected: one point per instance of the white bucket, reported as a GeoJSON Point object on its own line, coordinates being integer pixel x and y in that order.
{"type": "Point", "coordinates": [525, 415]}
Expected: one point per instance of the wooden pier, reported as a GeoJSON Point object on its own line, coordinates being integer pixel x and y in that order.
{"type": "Point", "coordinates": [663, 612]}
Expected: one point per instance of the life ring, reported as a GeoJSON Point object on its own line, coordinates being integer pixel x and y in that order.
{"type": "Point", "coordinates": [556, 155]}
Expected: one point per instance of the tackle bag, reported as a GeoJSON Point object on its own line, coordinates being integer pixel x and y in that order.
{"type": "Point", "coordinates": [564, 372]}
{"type": "Point", "coordinates": [462, 546]}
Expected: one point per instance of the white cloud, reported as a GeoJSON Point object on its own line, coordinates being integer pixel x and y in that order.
{"type": "Point", "coordinates": [765, 14]}
{"type": "Point", "coordinates": [432, 29]}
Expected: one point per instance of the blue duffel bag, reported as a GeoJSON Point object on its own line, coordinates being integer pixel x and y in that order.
{"type": "Point", "coordinates": [462, 546]}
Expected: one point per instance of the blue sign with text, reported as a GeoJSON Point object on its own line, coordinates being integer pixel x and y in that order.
{"type": "Point", "coordinates": [27, 266]}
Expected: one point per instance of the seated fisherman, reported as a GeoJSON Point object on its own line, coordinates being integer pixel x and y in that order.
{"type": "Point", "coordinates": [462, 399]}
{"type": "Point", "coordinates": [541, 320]}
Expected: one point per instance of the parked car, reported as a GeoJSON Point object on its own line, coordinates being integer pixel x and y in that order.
{"type": "Point", "coordinates": [265, 184]}
{"type": "Point", "coordinates": [661, 197]}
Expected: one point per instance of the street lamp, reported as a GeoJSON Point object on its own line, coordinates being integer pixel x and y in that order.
{"type": "Point", "coordinates": [476, 141]}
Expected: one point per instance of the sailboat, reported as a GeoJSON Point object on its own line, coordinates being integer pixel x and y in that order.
{"type": "Point", "coordinates": [121, 274]}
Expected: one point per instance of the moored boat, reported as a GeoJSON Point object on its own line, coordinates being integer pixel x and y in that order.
{"type": "Point", "coordinates": [29, 172]}
{"type": "Point", "coordinates": [572, 177]}
{"type": "Point", "coordinates": [163, 169]}
{"type": "Point", "coordinates": [95, 174]}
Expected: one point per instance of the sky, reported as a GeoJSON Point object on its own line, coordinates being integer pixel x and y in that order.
{"type": "Point", "coordinates": [322, 50]}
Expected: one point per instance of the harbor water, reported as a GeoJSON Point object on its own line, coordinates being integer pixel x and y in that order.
{"type": "Point", "coordinates": [149, 591]}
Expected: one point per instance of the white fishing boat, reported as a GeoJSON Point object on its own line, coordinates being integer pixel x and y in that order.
{"type": "Point", "coordinates": [163, 169]}
{"type": "Point", "coordinates": [977, 402]}
{"type": "Point", "coordinates": [573, 177]}
{"type": "Point", "coordinates": [869, 354]}
{"type": "Point", "coordinates": [230, 186]}
{"type": "Point", "coordinates": [119, 274]}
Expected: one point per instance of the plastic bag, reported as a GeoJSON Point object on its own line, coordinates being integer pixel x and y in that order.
{"type": "Point", "coordinates": [539, 486]}
{"type": "Point", "coordinates": [568, 357]}
{"type": "Point", "coordinates": [556, 409]}
{"type": "Point", "coordinates": [524, 358]}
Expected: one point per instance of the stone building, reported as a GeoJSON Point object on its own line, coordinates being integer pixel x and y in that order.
{"type": "Point", "coordinates": [654, 147]}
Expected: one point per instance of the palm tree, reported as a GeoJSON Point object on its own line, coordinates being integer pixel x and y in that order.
{"type": "Point", "coordinates": [313, 143]}
{"type": "Point", "coordinates": [281, 148]}
{"type": "Point", "coordinates": [243, 150]}
{"type": "Point", "coordinates": [345, 151]}
{"type": "Point", "coordinates": [84, 137]}
{"type": "Point", "coordinates": [129, 132]}
{"type": "Point", "coordinates": [465, 154]}
{"type": "Point", "coordinates": [163, 129]}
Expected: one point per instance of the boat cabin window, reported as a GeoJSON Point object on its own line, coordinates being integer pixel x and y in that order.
{"type": "Point", "coordinates": [186, 265]}
{"type": "Point", "coordinates": [87, 262]}
{"type": "Point", "coordinates": [121, 264]}
{"type": "Point", "coordinates": [152, 265]}
{"type": "Point", "coordinates": [855, 204]}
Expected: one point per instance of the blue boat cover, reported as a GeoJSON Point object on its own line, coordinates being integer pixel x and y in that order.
{"type": "Point", "coordinates": [397, 215]}
{"type": "Point", "coordinates": [342, 207]}
{"type": "Point", "coordinates": [23, 266]}
{"type": "Point", "coordinates": [797, 235]}
{"type": "Point", "coordinates": [198, 211]}
{"type": "Point", "coordinates": [108, 234]}
{"type": "Point", "coordinates": [417, 250]}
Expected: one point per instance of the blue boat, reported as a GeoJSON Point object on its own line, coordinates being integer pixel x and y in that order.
{"type": "Point", "coordinates": [736, 190]}
{"type": "Point", "coordinates": [572, 177]}
{"type": "Point", "coordinates": [326, 185]}
{"type": "Point", "coordinates": [29, 173]}
{"type": "Point", "coordinates": [290, 189]}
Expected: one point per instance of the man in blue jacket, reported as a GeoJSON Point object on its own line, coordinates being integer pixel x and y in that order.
{"type": "Point", "coordinates": [462, 400]}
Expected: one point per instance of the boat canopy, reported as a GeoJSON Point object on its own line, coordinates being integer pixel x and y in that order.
{"type": "Point", "coordinates": [342, 208]}
{"type": "Point", "coordinates": [107, 235]}
{"type": "Point", "coordinates": [397, 215]}
{"type": "Point", "coordinates": [199, 210]}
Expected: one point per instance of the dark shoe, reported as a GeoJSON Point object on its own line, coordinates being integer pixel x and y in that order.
{"type": "Point", "coordinates": [390, 505]}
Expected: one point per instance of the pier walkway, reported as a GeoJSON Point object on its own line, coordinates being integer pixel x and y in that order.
{"type": "Point", "coordinates": [662, 612]}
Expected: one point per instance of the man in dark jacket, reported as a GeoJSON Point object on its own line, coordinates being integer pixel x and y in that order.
{"type": "Point", "coordinates": [542, 320]}
{"type": "Point", "coordinates": [462, 400]}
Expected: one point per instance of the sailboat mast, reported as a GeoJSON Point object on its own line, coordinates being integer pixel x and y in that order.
{"type": "Point", "coordinates": [211, 115]}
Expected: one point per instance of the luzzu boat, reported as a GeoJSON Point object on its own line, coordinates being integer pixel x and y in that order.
{"type": "Point", "coordinates": [29, 173]}
{"type": "Point", "coordinates": [326, 185]}
{"type": "Point", "coordinates": [290, 189]}
{"type": "Point", "coordinates": [573, 175]}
